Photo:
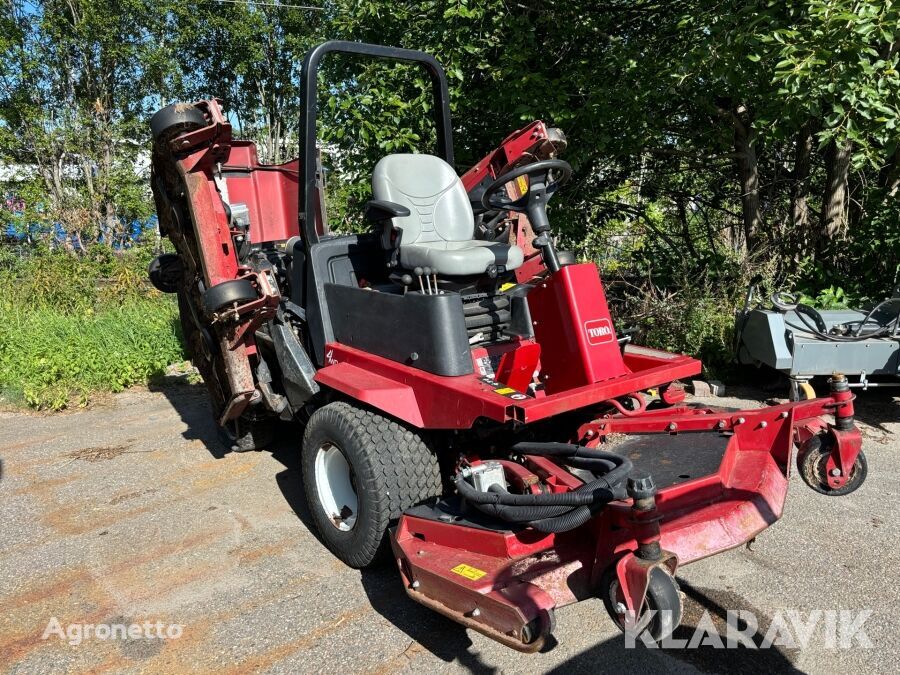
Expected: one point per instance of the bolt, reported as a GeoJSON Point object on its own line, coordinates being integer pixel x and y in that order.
{"type": "Point", "coordinates": [415, 584]}
{"type": "Point", "coordinates": [835, 472]}
{"type": "Point", "coordinates": [720, 424]}
{"type": "Point", "coordinates": [475, 612]}
{"type": "Point", "coordinates": [763, 424]}
{"type": "Point", "coordinates": [672, 426]}
{"type": "Point", "coordinates": [589, 433]}
{"type": "Point", "coordinates": [621, 608]}
{"type": "Point", "coordinates": [783, 414]}
{"type": "Point", "coordinates": [740, 420]}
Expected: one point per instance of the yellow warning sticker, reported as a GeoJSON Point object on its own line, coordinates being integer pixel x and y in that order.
{"type": "Point", "coordinates": [468, 572]}
{"type": "Point", "coordinates": [504, 391]}
{"type": "Point", "coordinates": [522, 184]}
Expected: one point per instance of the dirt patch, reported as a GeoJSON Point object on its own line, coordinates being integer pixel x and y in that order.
{"type": "Point", "coordinates": [98, 454]}
{"type": "Point", "coordinates": [131, 495]}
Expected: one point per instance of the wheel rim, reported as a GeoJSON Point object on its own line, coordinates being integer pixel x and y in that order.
{"type": "Point", "coordinates": [334, 483]}
{"type": "Point", "coordinates": [641, 622]}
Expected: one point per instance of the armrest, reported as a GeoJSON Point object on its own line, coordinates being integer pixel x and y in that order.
{"type": "Point", "coordinates": [378, 210]}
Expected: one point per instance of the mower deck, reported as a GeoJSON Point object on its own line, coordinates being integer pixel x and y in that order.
{"type": "Point", "coordinates": [508, 583]}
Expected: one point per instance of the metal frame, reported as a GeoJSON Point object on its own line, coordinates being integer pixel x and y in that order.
{"type": "Point", "coordinates": [308, 104]}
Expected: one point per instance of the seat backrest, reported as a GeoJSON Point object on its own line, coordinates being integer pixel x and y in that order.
{"type": "Point", "coordinates": [438, 205]}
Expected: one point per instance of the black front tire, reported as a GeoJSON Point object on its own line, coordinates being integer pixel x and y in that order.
{"type": "Point", "coordinates": [391, 469]}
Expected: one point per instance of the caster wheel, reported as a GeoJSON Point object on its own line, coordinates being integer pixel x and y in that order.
{"type": "Point", "coordinates": [166, 273]}
{"type": "Point", "coordinates": [227, 293]}
{"type": "Point", "coordinates": [175, 119]}
{"type": "Point", "coordinates": [801, 391]}
{"type": "Point", "coordinates": [536, 632]}
{"type": "Point", "coordinates": [815, 465]}
{"type": "Point", "coordinates": [663, 600]}
{"type": "Point", "coordinates": [245, 434]}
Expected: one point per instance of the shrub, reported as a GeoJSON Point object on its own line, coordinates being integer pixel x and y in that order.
{"type": "Point", "coordinates": [695, 313]}
{"type": "Point", "coordinates": [74, 325]}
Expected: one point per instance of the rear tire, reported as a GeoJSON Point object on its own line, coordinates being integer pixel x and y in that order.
{"type": "Point", "coordinates": [361, 471]}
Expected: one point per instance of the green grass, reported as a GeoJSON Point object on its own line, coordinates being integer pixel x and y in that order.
{"type": "Point", "coordinates": [73, 326]}
{"type": "Point", "coordinates": [50, 359]}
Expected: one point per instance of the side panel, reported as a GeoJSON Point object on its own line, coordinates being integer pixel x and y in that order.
{"type": "Point", "coordinates": [427, 332]}
{"type": "Point", "coordinates": [574, 328]}
{"type": "Point", "coordinates": [268, 190]}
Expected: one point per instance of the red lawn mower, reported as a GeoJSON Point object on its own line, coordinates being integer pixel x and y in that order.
{"type": "Point", "coordinates": [468, 404]}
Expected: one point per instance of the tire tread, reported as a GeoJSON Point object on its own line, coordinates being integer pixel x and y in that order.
{"type": "Point", "coordinates": [404, 471]}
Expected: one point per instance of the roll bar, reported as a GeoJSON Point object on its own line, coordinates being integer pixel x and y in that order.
{"type": "Point", "coordinates": [308, 74]}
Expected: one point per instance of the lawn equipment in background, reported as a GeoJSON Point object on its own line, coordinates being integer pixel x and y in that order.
{"type": "Point", "coordinates": [468, 405]}
{"type": "Point", "coordinates": [802, 342]}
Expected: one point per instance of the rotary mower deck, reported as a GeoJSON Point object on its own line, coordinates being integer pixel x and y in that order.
{"type": "Point", "coordinates": [468, 405]}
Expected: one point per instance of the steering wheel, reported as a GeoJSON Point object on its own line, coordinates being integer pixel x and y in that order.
{"type": "Point", "coordinates": [544, 179]}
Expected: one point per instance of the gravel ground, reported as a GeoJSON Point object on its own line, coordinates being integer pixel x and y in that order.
{"type": "Point", "coordinates": [130, 512]}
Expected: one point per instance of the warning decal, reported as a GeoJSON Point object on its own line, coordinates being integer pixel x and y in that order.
{"type": "Point", "coordinates": [468, 572]}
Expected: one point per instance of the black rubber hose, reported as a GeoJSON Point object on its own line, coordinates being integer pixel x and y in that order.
{"type": "Point", "coordinates": [583, 495]}
{"type": "Point", "coordinates": [578, 497]}
{"type": "Point", "coordinates": [565, 522]}
{"type": "Point", "coordinates": [522, 514]}
{"type": "Point", "coordinates": [614, 467]}
{"type": "Point", "coordinates": [555, 512]}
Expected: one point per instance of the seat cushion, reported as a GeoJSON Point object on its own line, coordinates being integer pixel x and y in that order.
{"type": "Point", "coordinates": [460, 257]}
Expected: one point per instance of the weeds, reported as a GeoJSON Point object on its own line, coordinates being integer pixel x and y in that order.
{"type": "Point", "coordinates": [72, 326]}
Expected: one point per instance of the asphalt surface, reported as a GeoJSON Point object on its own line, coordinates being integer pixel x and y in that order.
{"type": "Point", "coordinates": [131, 511]}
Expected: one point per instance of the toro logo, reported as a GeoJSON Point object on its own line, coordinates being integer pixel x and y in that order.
{"type": "Point", "coordinates": [599, 331]}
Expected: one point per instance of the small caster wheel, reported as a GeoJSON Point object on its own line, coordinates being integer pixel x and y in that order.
{"type": "Point", "coordinates": [536, 632]}
{"type": "Point", "coordinates": [176, 119]}
{"type": "Point", "coordinates": [166, 273]}
{"type": "Point", "coordinates": [801, 391]}
{"type": "Point", "coordinates": [818, 470]}
{"type": "Point", "coordinates": [663, 599]}
{"type": "Point", "coordinates": [245, 433]}
{"type": "Point", "coordinates": [227, 293]}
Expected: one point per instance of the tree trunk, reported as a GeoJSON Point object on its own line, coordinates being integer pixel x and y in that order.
{"type": "Point", "coordinates": [800, 221]}
{"type": "Point", "coordinates": [748, 175]}
{"type": "Point", "coordinates": [834, 198]}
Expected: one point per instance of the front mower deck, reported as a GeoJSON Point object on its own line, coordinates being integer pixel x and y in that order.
{"type": "Point", "coordinates": [731, 485]}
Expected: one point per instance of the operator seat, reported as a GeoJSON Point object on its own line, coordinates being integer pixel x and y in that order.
{"type": "Point", "coordinates": [439, 231]}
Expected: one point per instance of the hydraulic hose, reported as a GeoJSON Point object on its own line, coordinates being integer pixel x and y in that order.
{"type": "Point", "coordinates": [785, 302]}
{"type": "Point", "coordinates": [555, 512]}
